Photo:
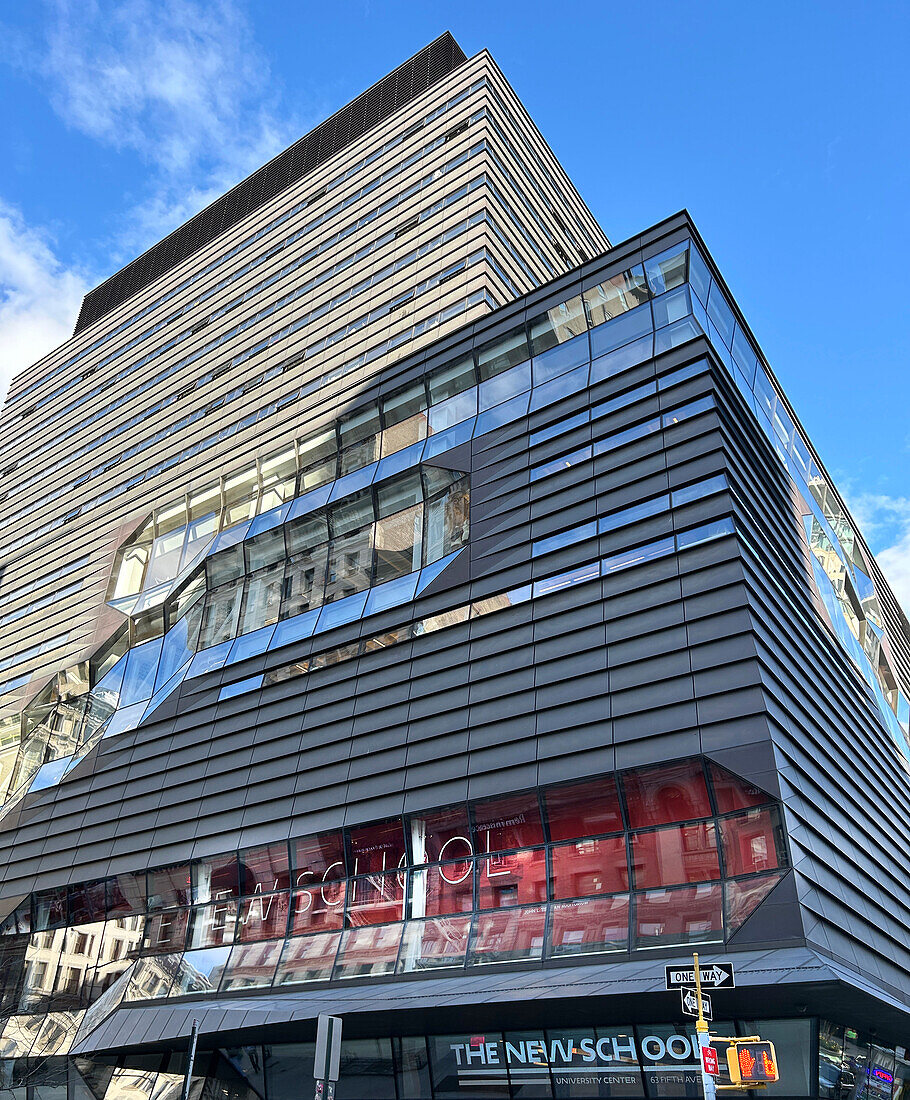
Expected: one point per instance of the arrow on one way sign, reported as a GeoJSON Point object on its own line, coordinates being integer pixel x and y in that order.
{"type": "Point", "coordinates": [689, 1000]}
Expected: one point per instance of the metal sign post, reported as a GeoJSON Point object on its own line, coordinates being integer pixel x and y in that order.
{"type": "Point", "coordinates": [702, 1034]}
{"type": "Point", "coordinates": [190, 1059]}
{"type": "Point", "coordinates": [328, 1055]}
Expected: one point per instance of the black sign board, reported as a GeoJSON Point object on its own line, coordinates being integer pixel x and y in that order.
{"type": "Point", "coordinates": [689, 1000]}
{"type": "Point", "coordinates": [715, 976]}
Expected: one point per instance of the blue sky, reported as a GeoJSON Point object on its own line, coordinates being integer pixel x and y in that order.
{"type": "Point", "coordinates": [782, 127]}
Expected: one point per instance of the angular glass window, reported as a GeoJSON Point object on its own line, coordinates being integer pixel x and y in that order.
{"type": "Point", "coordinates": [350, 564]}
{"type": "Point", "coordinates": [318, 908]}
{"type": "Point", "coordinates": [319, 858]}
{"type": "Point", "coordinates": [690, 914]}
{"type": "Point", "coordinates": [215, 878]}
{"type": "Point", "coordinates": [673, 856]}
{"type": "Point", "coordinates": [264, 917]}
{"type": "Point", "coordinates": [351, 514]}
{"type": "Point", "coordinates": [442, 889]}
{"type": "Point", "coordinates": [508, 935]}
{"type": "Point", "coordinates": [621, 330]}
{"type": "Point", "coordinates": [170, 886]}
{"type": "Point", "coordinates": [376, 899]}
{"type": "Point", "coordinates": [359, 436]}
{"type": "Point", "coordinates": [743, 896]}
{"type": "Point", "coordinates": [165, 931]}
{"type": "Point", "coordinates": [446, 519]}
{"type": "Point", "coordinates": [377, 847]}
{"type": "Point", "coordinates": [262, 598]}
{"type": "Point", "coordinates": [440, 835]}
{"type": "Point", "coordinates": [433, 943]}
{"type": "Point", "coordinates": [512, 878]}
{"type": "Point", "coordinates": [307, 959]}
{"type": "Point", "coordinates": [264, 870]}
{"type": "Point", "coordinates": [452, 379]}
{"type": "Point", "coordinates": [616, 295]}
{"type": "Point", "coordinates": [585, 867]}
{"type": "Point", "coordinates": [368, 952]}
{"type": "Point", "coordinates": [251, 965]}
{"type": "Point", "coordinates": [200, 971]}
{"type": "Point", "coordinates": [668, 270]}
{"type": "Point", "coordinates": [752, 842]}
{"type": "Point", "coordinates": [510, 822]}
{"type": "Point", "coordinates": [399, 544]}
{"type": "Point", "coordinates": [404, 418]}
{"type": "Point", "coordinates": [265, 549]}
{"type": "Point", "coordinates": [212, 925]}
{"type": "Point", "coordinates": [222, 614]}
{"type": "Point", "coordinates": [318, 460]}
{"type": "Point", "coordinates": [557, 325]}
{"type": "Point", "coordinates": [732, 793]}
{"type": "Point", "coordinates": [278, 473]}
{"type": "Point", "coordinates": [505, 351]}
{"type": "Point", "coordinates": [304, 581]}
{"type": "Point", "coordinates": [226, 565]}
{"type": "Point", "coordinates": [590, 925]}
{"type": "Point", "coordinates": [666, 793]}
{"type": "Point", "coordinates": [583, 809]}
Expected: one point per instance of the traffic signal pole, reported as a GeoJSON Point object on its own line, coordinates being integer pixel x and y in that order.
{"type": "Point", "coordinates": [708, 1084]}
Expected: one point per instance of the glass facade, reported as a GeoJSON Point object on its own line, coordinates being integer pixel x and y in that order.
{"type": "Point", "coordinates": [671, 855]}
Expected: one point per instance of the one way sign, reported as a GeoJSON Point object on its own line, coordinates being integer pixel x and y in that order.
{"type": "Point", "coordinates": [689, 1000]}
{"type": "Point", "coordinates": [715, 976]}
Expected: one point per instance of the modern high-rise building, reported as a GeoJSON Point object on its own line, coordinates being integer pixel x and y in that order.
{"type": "Point", "coordinates": [417, 609]}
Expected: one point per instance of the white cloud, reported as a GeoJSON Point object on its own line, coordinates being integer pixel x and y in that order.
{"type": "Point", "coordinates": [39, 297]}
{"type": "Point", "coordinates": [885, 523]}
{"type": "Point", "coordinates": [178, 82]}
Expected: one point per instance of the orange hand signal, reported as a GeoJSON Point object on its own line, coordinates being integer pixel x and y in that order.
{"type": "Point", "coordinates": [746, 1062]}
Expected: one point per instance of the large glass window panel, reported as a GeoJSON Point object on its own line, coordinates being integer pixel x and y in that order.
{"type": "Point", "coordinates": [512, 878]}
{"type": "Point", "coordinates": [307, 959]}
{"type": "Point", "coordinates": [584, 867]}
{"type": "Point", "coordinates": [264, 869]}
{"type": "Point", "coordinates": [434, 943]}
{"type": "Point", "coordinates": [351, 514]}
{"type": "Point", "coordinates": [452, 379]}
{"type": "Point", "coordinates": [589, 925]}
{"type": "Point", "coordinates": [359, 436]}
{"type": "Point", "coordinates": [265, 549]}
{"type": "Point", "coordinates": [557, 325]}
{"type": "Point", "coordinates": [319, 907]}
{"type": "Point", "coordinates": [212, 925]}
{"type": "Point", "coordinates": [690, 914]}
{"type": "Point", "coordinates": [251, 965]}
{"type": "Point", "coordinates": [165, 558]}
{"type": "Point", "coordinates": [319, 858]}
{"type": "Point", "coordinates": [583, 809]}
{"type": "Point", "coordinates": [226, 565]}
{"type": "Point", "coordinates": [673, 856]}
{"type": "Point", "coordinates": [793, 1045]}
{"type": "Point", "coordinates": [616, 295]}
{"type": "Point", "coordinates": [732, 793]}
{"type": "Point", "coordinates": [507, 935]}
{"type": "Point", "coordinates": [550, 365]}
{"type": "Point", "coordinates": [399, 543]}
{"type": "Point", "coordinates": [166, 931]}
{"type": "Point", "coordinates": [200, 971]}
{"type": "Point", "coordinates": [376, 899]}
{"type": "Point", "coordinates": [349, 565]}
{"type": "Point", "coordinates": [666, 793]}
{"type": "Point", "coordinates": [404, 418]}
{"type": "Point", "coordinates": [720, 313]}
{"type": "Point", "coordinates": [509, 822]}
{"type": "Point", "coordinates": [305, 534]}
{"type": "Point", "coordinates": [262, 598]}
{"type": "Point", "coordinates": [366, 1070]}
{"type": "Point", "coordinates": [447, 522]}
{"type": "Point", "coordinates": [752, 842]}
{"type": "Point", "coordinates": [440, 835]}
{"type": "Point", "coordinates": [412, 1067]}
{"type": "Point", "coordinates": [304, 581]}
{"type": "Point", "coordinates": [170, 886]}
{"type": "Point", "coordinates": [668, 270]}
{"type": "Point", "coordinates": [263, 917]}
{"type": "Point", "coordinates": [215, 878]}
{"type": "Point", "coordinates": [368, 952]}
{"type": "Point", "coordinates": [222, 615]}
{"type": "Point", "coordinates": [441, 889]}
{"type": "Point", "coordinates": [743, 896]}
{"type": "Point", "coordinates": [622, 330]}
{"type": "Point", "coordinates": [495, 356]}
{"type": "Point", "coordinates": [377, 847]}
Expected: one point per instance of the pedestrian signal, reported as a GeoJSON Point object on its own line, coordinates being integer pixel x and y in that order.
{"type": "Point", "coordinates": [752, 1063]}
